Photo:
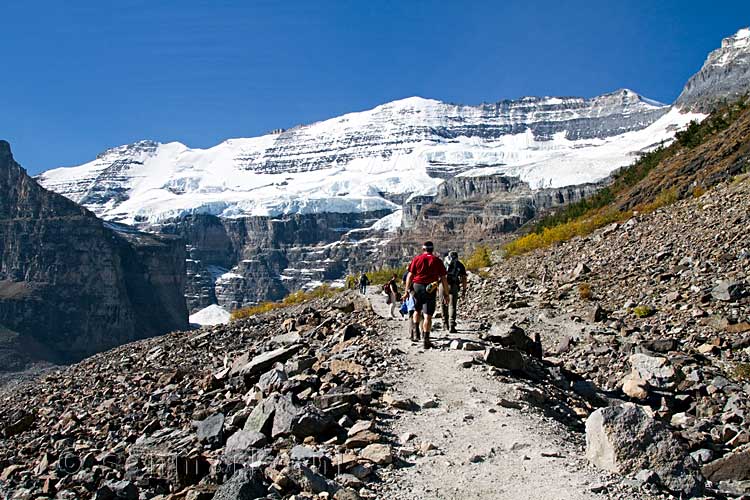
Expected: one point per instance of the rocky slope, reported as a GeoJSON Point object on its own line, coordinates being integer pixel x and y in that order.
{"type": "Point", "coordinates": [298, 403]}
{"type": "Point", "coordinates": [653, 311]}
{"type": "Point", "coordinates": [724, 77]}
{"type": "Point", "coordinates": [72, 285]}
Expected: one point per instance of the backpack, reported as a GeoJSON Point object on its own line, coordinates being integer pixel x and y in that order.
{"type": "Point", "coordinates": [387, 288]}
{"type": "Point", "coordinates": [454, 272]}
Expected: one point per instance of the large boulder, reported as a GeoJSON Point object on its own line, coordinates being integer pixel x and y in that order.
{"type": "Point", "coordinates": [625, 439]}
{"type": "Point", "coordinates": [732, 467]}
{"type": "Point", "coordinates": [245, 484]}
{"type": "Point", "coordinates": [514, 338]}
{"type": "Point", "coordinates": [507, 359]}
{"type": "Point", "coordinates": [211, 430]}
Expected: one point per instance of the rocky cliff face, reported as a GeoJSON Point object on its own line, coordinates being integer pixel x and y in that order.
{"type": "Point", "coordinates": [470, 209]}
{"type": "Point", "coordinates": [724, 77]}
{"type": "Point", "coordinates": [236, 262]}
{"type": "Point", "coordinates": [72, 285]}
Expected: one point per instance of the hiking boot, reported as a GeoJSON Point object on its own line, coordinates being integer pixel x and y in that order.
{"type": "Point", "coordinates": [427, 344]}
{"type": "Point", "coordinates": [453, 329]}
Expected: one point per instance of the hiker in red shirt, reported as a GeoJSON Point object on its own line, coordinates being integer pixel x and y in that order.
{"type": "Point", "coordinates": [426, 272]}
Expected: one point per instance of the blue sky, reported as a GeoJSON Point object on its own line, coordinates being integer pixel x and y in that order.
{"type": "Point", "coordinates": [79, 77]}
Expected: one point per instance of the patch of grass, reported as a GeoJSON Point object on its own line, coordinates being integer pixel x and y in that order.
{"type": "Point", "coordinates": [644, 311]}
{"type": "Point", "coordinates": [741, 372]}
{"type": "Point", "coordinates": [481, 257]}
{"type": "Point", "coordinates": [294, 298]}
{"type": "Point", "coordinates": [663, 199]}
{"type": "Point", "coordinates": [584, 290]}
{"type": "Point", "coordinates": [698, 191]}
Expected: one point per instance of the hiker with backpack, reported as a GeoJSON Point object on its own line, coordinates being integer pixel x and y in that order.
{"type": "Point", "coordinates": [457, 281]}
{"type": "Point", "coordinates": [391, 290]}
{"type": "Point", "coordinates": [426, 273]}
{"type": "Point", "coordinates": [363, 282]}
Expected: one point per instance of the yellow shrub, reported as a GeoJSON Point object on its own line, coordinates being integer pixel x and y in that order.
{"type": "Point", "coordinates": [582, 226]}
{"type": "Point", "coordinates": [294, 298]}
{"type": "Point", "coordinates": [584, 290]}
{"type": "Point", "coordinates": [481, 257]}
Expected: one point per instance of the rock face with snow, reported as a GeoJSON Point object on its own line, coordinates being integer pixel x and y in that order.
{"type": "Point", "coordinates": [369, 160]}
{"type": "Point", "coordinates": [725, 75]}
{"type": "Point", "coordinates": [269, 215]}
{"type": "Point", "coordinates": [452, 171]}
{"type": "Point", "coordinates": [72, 285]}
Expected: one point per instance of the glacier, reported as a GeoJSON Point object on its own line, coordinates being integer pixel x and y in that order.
{"type": "Point", "coordinates": [371, 160]}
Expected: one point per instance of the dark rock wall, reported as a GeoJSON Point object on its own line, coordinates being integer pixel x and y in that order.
{"type": "Point", "coordinates": [71, 285]}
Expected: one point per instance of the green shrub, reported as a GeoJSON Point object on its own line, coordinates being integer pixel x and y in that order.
{"type": "Point", "coordinates": [644, 311]}
{"type": "Point", "coordinates": [741, 372]}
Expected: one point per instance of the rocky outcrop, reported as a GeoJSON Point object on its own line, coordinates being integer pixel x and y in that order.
{"type": "Point", "coordinates": [72, 285]}
{"type": "Point", "coordinates": [236, 262]}
{"type": "Point", "coordinates": [471, 209]}
{"type": "Point", "coordinates": [724, 77]}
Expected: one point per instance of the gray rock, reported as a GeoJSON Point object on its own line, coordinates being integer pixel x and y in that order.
{"type": "Point", "coordinates": [123, 490]}
{"type": "Point", "coordinates": [245, 484]}
{"type": "Point", "coordinates": [508, 359]}
{"type": "Point", "coordinates": [655, 370]}
{"type": "Point", "coordinates": [272, 381]}
{"type": "Point", "coordinates": [734, 466]}
{"type": "Point", "coordinates": [211, 430]}
{"type": "Point", "coordinates": [244, 441]}
{"type": "Point", "coordinates": [310, 481]}
{"type": "Point", "coordinates": [512, 338]}
{"type": "Point", "coordinates": [624, 439]}
{"type": "Point", "coordinates": [261, 418]}
{"type": "Point", "coordinates": [728, 291]}
{"type": "Point", "coordinates": [263, 362]}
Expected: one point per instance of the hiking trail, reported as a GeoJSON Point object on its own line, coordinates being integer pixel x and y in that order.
{"type": "Point", "coordinates": [483, 450]}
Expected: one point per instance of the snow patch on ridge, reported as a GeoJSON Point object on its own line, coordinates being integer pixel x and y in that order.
{"type": "Point", "coordinates": [211, 315]}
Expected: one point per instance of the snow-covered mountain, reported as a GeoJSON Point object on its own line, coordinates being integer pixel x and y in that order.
{"type": "Point", "coordinates": [370, 160]}
{"type": "Point", "coordinates": [725, 75]}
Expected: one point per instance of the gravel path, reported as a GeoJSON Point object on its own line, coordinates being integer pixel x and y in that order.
{"type": "Point", "coordinates": [482, 449]}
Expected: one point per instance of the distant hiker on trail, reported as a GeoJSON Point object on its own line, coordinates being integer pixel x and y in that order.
{"type": "Point", "coordinates": [456, 282]}
{"type": "Point", "coordinates": [363, 282]}
{"type": "Point", "coordinates": [391, 289]}
{"type": "Point", "coordinates": [426, 273]}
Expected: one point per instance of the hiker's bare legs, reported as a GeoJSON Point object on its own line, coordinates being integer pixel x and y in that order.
{"type": "Point", "coordinates": [427, 324]}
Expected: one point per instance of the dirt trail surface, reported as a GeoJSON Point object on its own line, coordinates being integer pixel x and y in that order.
{"type": "Point", "coordinates": [482, 449]}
